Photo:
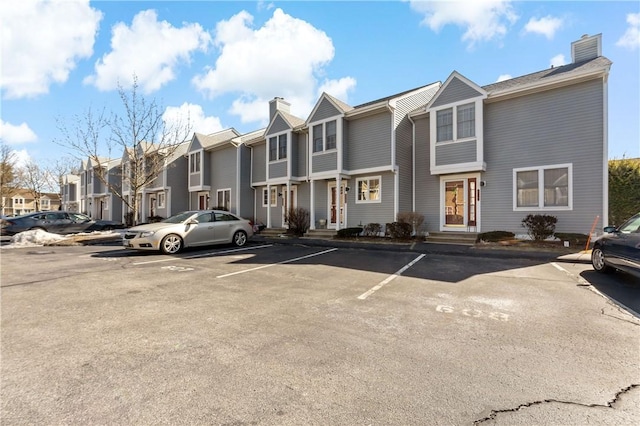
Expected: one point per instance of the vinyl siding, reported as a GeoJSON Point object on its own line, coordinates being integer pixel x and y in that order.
{"type": "Point", "coordinates": [455, 91]}
{"type": "Point", "coordinates": [300, 163]}
{"type": "Point", "coordinates": [404, 145]}
{"type": "Point", "coordinates": [554, 127]}
{"type": "Point", "coordinates": [325, 110]}
{"type": "Point", "coordinates": [295, 149]}
{"type": "Point", "coordinates": [259, 173]}
{"type": "Point", "coordinates": [278, 170]}
{"type": "Point", "coordinates": [371, 212]}
{"type": "Point", "coordinates": [224, 174]}
{"type": "Point", "coordinates": [278, 125]}
{"type": "Point", "coordinates": [246, 192]}
{"type": "Point", "coordinates": [427, 185]}
{"type": "Point", "coordinates": [368, 142]}
{"type": "Point", "coordinates": [324, 162]}
{"type": "Point", "coordinates": [456, 153]}
{"type": "Point", "coordinates": [586, 49]}
{"type": "Point", "coordinates": [177, 181]}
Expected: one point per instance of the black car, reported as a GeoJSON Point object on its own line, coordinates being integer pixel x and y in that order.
{"type": "Point", "coordinates": [619, 248]}
{"type": "Point", "coordinates": [57, 222]}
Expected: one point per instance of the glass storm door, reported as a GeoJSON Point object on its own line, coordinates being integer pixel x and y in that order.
{"type": "Point", "coordinates": [454, 202]}
{"type": "Point", "coordinates": [333, 204]}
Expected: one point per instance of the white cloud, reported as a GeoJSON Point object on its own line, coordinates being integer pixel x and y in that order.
{"type": "Point", "coordinates": [42, 41]}
{"type": "Point", "coordinates": [22, 158]}
{"type": "Point", "coordinates": [503, 77]}
{"type": "Point", "coordinates": [631, 37]}
{"type": "Point", "coordinates": [483, 20]}
{"type": "Point", "coordinates": [546, 26]}
{"type": "Point", "coordinates": [558, 60]}
{"type": "Point", "coordinates": [285, 57]}
{"type": "Point", "coordinates": [195, 116]}
{"type": "Point", "coordinates": [14, 135]}
{"type": "Point", "coordinates": [150, 50]}
{"type": "Point", "coordinates": [338, 88]}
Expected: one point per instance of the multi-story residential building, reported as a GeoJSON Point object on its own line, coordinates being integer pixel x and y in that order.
{"type": "Point", "coordinates": [487, 156]}
{"type": "Point", "coordinates": [23, 201]}
{"type": "Point", "coordinates": [97, 199]}
{"type": "Point", "coordinates": [219, 172]}
{"type": "Point", "coordinates": [467, 157]}
{"type": "Point", "coordinates": [71, 193]}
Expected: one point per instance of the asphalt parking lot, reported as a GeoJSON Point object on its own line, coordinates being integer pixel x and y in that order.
{"type": "Point", "coordinates": [290, 334]}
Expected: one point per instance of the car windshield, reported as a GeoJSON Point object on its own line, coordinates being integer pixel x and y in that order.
{"type": "Point", "coordinates": [631, 226]}
{"type": "Point", "coordinates": [179, 218]}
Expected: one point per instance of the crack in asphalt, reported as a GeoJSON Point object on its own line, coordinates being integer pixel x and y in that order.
{"type": "Point", "coordinates": [610, 404]}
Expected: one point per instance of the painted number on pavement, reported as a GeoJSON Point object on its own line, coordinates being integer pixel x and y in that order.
{"type": "Point", "coordinates": [473, 313]}
{"type": "Point", "coordinates": [177, 268]}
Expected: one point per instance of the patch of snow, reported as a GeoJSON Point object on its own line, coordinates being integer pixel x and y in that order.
{"type": "Point", "coordinates": [39, 238]}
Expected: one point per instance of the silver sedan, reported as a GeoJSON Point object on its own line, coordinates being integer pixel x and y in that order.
{"type": "Point", "coordinates": [189, 229]}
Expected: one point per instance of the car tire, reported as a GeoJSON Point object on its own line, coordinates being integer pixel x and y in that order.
{"type": "Point", "coordinates": [171, 244]}
{"type": "Point", "coordinates": [597, 260]}
{"type": "Point", "coordinates": [38, 227]}
{"type": "Point", "coordinates": [240, 238]}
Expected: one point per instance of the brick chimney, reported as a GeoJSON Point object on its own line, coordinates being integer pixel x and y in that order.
{"type": "Point", "coordinates": [588, 47]}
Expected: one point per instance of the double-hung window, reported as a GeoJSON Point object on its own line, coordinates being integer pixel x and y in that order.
{"type": "Point", "coordinates": [369, 189]}
{"type": "Point", "coordinates": [543, 188]}
{"type": "Point", "coordinates": [161, 200]}
{"type": "Point", "coordinates": [464, 125]}
{"type": "Point", "coordinates": [278, 147]}
{"type": "Point", "coordinates": [194, 162]}
{"type": "Point", "coordinates": [224, 199]}
{"type": "Point", "coordinates": [325, 136]}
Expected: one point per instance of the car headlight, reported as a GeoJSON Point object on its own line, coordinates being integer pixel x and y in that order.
{"type": "Point", "coordinates": [147, 234]}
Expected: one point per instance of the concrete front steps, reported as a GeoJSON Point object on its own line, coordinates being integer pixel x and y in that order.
{"type": "Point", "coordinates": [464, 238]}
{"type": "Point", "coordinates": [321, 234]}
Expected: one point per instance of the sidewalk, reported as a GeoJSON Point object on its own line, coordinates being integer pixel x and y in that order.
{"type": "Point", "coordinates": [438, 248]}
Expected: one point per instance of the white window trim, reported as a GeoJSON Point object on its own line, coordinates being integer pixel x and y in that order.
{"type": "Point", "coordinates": [322, 123]}
{"type": "Point", "coordinates": [277, 137]}
{"type": "Point", "coordinates": [218, 196]}
{"type": "Point", "coordinates": [192, 155]}
{"type": "Point", "coordinates": [368, 179]}
{"type": "Point", "coordinates": [454, 107]}
{"type": "Point", "coordinates": [161, 200]}
{"type": "Point", "coordinates": [540, 170]}
{"type": "Point", "coordinates": [274, 198]}
{"type": "Point", "coordinates": [265, 192]}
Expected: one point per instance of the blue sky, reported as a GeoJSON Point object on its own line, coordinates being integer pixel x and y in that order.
{"type": "Point", "coordinates": [222, 61]}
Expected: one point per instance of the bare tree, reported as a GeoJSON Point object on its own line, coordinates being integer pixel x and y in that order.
{"type": "Point", "coordinates": [10, 175]}
{"type": "Point", "coordinates": [139, 135]}
{"type": "Point", "coordinates": [58, 170]}
{"type": "Point", "coordinates": [37, 181]}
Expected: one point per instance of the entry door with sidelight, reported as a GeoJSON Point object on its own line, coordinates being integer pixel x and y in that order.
{"type": "Point", "coordinates": [334, 215]}
{"type": "Point", "coordinates": [460, 203]}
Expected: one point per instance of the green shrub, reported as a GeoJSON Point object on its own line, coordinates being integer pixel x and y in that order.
{"type": "Point", "coordinates": [624, 200]}
{"type": "Point", "coordinates": [540, 226]}
{"type": "Point", "coordinates": [349, 232]}
{"type": "Point", "coordinates": [495, 236]}
{"type": "Point", "coordinates": [372, 230]}
{"type": "Point", "coordinates": [399, 230]}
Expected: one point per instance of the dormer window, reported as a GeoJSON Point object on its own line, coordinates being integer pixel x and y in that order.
{"type": "Point", "coordinates": [194, 162]}
{"type": "Point", "coordinates": [325, 136]}
{"type": "Point", "coordinates": [445, 125]}
{"type": "Point", "coordinates": [466, 121]}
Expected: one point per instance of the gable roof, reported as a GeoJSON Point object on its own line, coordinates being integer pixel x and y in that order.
{"type": "Point", "coordinates": [389, 98]}
{"type": "Point", "coordinates": [550, 75]}
{"type": "Point", "coordinates": [214, 139]}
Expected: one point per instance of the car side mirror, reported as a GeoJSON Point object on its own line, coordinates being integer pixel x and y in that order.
{"type": "Point", "coordinates": [609, 229]}
{"type": "Point", "coordinates": [192, 222]}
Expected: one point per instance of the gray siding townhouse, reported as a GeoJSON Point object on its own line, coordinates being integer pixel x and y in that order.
{"type": "Point", "coordinates": [487, 156]}
{"type": "Point", "coordinates": [278, 167]}
{"type": "Point", "coordinates": [360, 162]}
{"type": "Point", "coordinates": [219, 172]}
{"type": "Point", "coordinates": [167, 194]}
{"type": "Point", "coordinates": [98, 201]}
{"type": "Point", "coordinates": [71, 193]}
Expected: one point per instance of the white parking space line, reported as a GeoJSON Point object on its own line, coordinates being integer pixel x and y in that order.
{"type": "Point", "coordinates": [390, 278]}
{"type": "Point", "coordinates": [195, 256]}
{"type": "Point", "coordinates": [277, 263]}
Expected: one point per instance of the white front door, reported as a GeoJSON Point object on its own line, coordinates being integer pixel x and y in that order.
{"type": "Point", "coordinates": [334, 214]}
{"type": "Point", "coordinates": [460, 197]}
